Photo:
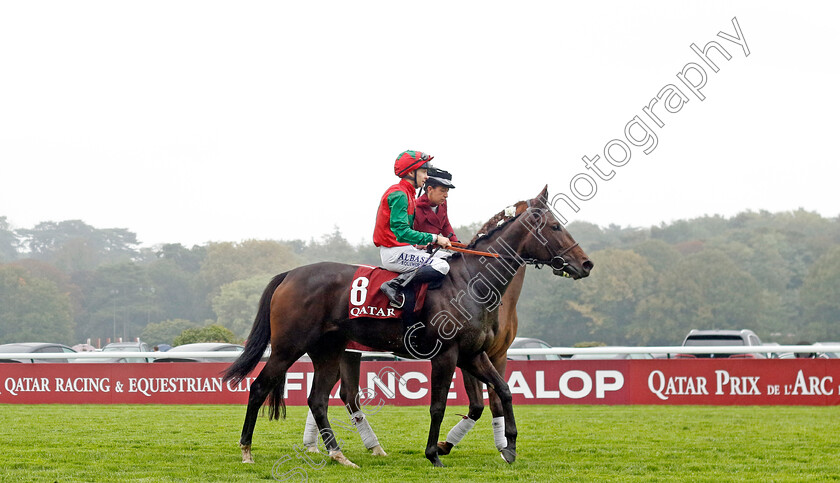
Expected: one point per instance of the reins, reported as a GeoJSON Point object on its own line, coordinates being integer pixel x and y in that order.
{"type": "Point", "coordinates": [461, 248]}
{"type": "Point", "coordinates": [557, 262]}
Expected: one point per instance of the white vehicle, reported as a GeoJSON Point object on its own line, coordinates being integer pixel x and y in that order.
{"type": "Point", "coordinates": [728, 338]}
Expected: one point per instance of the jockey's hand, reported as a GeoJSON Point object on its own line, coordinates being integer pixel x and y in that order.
{"type": "Point", "coordinates": [443, 241]}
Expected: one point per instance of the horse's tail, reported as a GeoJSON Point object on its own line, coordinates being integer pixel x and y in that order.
{"type": "Point", "coordinates": [258, 339]}
{"type": "Point", "coordinates": [276, 403]}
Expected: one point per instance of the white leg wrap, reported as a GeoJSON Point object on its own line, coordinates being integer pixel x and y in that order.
{"type": "Point", "coordinates": [499, 433]}
{"type": "Point", "coordinates": [310, 432]}
{"type": "Point", "coordinates": [457, 433]}
{"type": "Point", "coordinates": [369, 439]}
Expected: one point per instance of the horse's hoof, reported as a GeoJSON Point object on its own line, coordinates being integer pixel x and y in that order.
{"type": "Point", "coordinates": [312, 449]}
{"type": "Point", "coordinates": [378, 451]}
{"type": "Point", "coordinates": [432, 456]}
{"type": "Point", "coordinates": [443, 448]}
{"type": "Point", "coordinates": [339, 457]}
{"type": "Point", "coordinates": [246, 453]}
{"type": "Point", "coordinates": [509, 455]}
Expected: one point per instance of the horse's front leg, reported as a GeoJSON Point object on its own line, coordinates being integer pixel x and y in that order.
{"type": "Point", "coordinates": [496, 408]}
{"type": "Point", "coordinates": [443, 366]}
{"type": "Point", "coordinates": [473, 388]}
{"type": "Point", "coordinates": [482, 369]}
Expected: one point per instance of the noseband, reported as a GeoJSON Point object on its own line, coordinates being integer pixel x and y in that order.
{"type": "Point", "coordinates": [557, 262]}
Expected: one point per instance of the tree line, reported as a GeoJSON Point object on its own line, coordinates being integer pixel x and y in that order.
{"type": "Point", "coordinates": [775, 273]}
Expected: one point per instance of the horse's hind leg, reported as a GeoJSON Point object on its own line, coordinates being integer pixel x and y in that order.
{"type": "Point", "coordinates": [326, 365]}
{"type": "Point", "coordinates": [271, 378]}
{"type": "Point", "coordinates": [350, 366]}
{"type": "Point", "coordinates": [310, 431]}
{"type": "Point", "coordinates": [482, 369]}
{"type": "Point", "coordinates": [349, 370]}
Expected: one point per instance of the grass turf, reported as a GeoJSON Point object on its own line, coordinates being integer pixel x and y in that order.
{"type": "Point", "coordinates": [556, 443]}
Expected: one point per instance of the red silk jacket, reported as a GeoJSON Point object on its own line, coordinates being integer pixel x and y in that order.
{"type": "Point", "coordinates": [395, 219]}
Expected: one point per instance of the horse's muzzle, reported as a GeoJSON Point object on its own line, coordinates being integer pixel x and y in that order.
{"type": "Point", "coordinates": [570, 271]}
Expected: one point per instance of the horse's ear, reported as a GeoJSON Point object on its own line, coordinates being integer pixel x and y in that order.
{"type": "Point", "coordinates": [543, 196]}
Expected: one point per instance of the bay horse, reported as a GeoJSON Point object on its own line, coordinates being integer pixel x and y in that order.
{"type": "Point", "coordinates": [497, 352]}
{"type": "Point", "coordinates": [305, 310]}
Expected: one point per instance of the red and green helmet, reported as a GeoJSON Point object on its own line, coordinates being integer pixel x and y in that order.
{"type": "Point", "coordinates": [408, 161]}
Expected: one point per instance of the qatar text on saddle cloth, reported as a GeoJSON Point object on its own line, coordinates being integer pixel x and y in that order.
{"type": "Point", "coordinates": [366, 300]}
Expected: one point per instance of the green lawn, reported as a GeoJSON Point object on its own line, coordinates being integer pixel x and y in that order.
{"type": "Point", "coordinates": [556, 443]}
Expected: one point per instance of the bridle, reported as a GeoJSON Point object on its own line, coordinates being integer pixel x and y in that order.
{"type": "Point", "coordinates": [557, 262]}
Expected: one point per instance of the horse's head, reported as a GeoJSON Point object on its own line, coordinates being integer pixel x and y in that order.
{"type": "Point", "coordinates": [549, 242]}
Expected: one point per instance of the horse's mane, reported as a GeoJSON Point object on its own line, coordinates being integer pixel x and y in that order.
{"type": "Point", "coordinates": [493, 224]}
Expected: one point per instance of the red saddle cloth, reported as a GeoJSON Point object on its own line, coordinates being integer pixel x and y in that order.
{"type": "Point", "coordinates": [355, 346]}
{"type": "Point", "coordinates": [366, 300]}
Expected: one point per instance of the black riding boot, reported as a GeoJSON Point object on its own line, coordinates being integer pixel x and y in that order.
{"type": "Point", "coordinates": [393, 288]}
{"type": "Point", "coordinates": [427, 274]}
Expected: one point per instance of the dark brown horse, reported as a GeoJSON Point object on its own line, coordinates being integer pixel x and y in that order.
{"type": "Point", "coordinates": [305, 310]}
{"type": "Point", "coordinates": [504, 335]}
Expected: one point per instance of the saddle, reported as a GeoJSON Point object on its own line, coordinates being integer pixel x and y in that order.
{"type": "Point", "coordinates": [366, 300]}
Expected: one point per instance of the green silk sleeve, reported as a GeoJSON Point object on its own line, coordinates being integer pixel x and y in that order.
{"type": "Point", "coordinates": [401, 221]}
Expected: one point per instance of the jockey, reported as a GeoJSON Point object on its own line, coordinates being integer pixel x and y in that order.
{"type": "Point", "coordinates": [394, 235]}
{"type": "Point", "coordinates": [431, 213]}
